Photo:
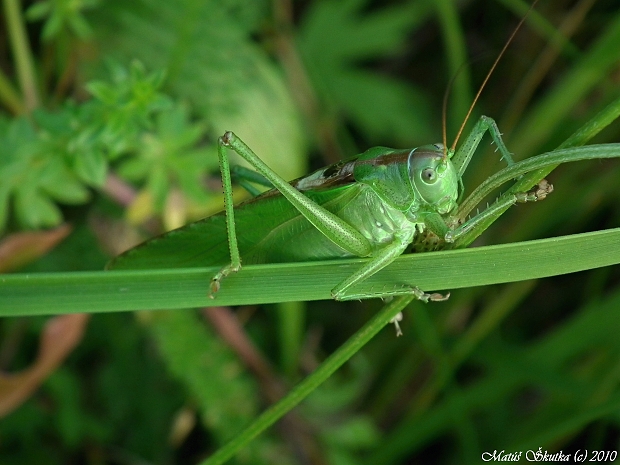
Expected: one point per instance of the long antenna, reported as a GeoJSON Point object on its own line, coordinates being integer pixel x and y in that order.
{"type": "Point", "coordinates": [444, 109]}
{"type": "Point", "coordinates": [471, 108]}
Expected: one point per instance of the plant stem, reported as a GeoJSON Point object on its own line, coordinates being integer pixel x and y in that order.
{"type": "Point", "coordinates": [579, 138]}
{"type": "Point", "coordinates": [307, 386]}
{"type": "Point", "coordinates": [9, 96]}
{"type": "Point", "coordinates": [22, 53]}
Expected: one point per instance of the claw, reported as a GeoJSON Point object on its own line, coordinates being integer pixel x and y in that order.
{"type": "Point", "coordinates": [216, 280]}
{"type": "Point", "coordinates": [436, 297]}
{"type": "Point", "coordinates": [544, 189]}
{"type": "Point", "coordinates": [215, 286]}
{"type": "Point", "coordinates": [424, 297]}
{"type": "Point", "coordinates": [228, 135]}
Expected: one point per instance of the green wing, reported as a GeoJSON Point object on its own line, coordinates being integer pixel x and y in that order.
{"type": "Point", "coordinates": [269, 230]}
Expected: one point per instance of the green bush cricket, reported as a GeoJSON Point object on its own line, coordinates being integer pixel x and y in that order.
{"type": "Point", "coordinates": [376, 205]}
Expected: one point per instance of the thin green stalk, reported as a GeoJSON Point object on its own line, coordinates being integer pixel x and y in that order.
{"type": "Point", "coordinates": [291, 317]}
{"type": "Point", "coordinates": [544, 161]}
{"type": "Point", "coordinates": [488, 321]}
{"type": "Point", "coordinates": [302, 390]}
{"type": "Point", "coordinates": [586, 132]}
{"type": "Point", "coordinates": [9, 96]}
{"type": "Point", "coordinates": [22, 53]}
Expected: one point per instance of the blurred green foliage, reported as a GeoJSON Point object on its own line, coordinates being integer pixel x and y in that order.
{"type": "Point", "coordinates": [109, 107]}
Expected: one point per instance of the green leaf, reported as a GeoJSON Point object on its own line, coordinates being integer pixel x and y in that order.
{"type": "Point", "coordinates": [92, 167]}
{"type": "Point", "coordinates": [35, 210]}
{"type": "Point", "coordinates": [389, 108]}
{"type": "Point", "coordinates": [52, 26]}
{"type": "Point", "coordinates": [216, 379]}
{"type": "Point", "coordinates": [62, 185]}
{"type": "Point", "coordinates": [214, 63]}
{"type": "Point", "coordinates": [167, 157]}
{"type": "Point", "coordinates": [38, 10]}
{"type": "Point", "coordinates": [80, 27]}
{"type": "Point", "coordinates": [34, 168]}
{"type": "Point", "coordinates": [134, 169]}
{"type": "Point", "coordinates": [64, 16]}
{"type": "Point", "coordinates": [102, 91]}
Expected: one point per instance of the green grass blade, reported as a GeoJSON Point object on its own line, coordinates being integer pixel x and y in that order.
{"type": "Point", "coordinates": [53, 293]}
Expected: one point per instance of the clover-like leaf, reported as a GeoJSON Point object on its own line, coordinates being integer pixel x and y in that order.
{"type": "Point", "coordinates": [35, 210]}
{"type": "Point", "coordinates": [168, 158]}
{"type": "Point", "coordinates": [35, 171]}
{"type": "Point", "coordinates": [62, 15]}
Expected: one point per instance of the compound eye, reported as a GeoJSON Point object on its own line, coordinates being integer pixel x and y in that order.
{"type": "Point", "coordinates": [429, 175]}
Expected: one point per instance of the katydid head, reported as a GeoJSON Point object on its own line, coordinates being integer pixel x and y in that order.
{"type": "Point", "coordinates": [434, 177]}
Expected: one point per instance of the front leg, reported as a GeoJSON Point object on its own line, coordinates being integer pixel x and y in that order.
{"type": "Point", "coordinates": [380, 260]}
{"type": "Point", "coordinates": [540, 192]}
{"type": "Point", "coordinates": [464, 154]}
{"type": "Point", "coordinates": [383, 258]}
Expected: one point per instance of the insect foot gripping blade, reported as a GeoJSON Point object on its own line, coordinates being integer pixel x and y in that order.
{"type": "Point", "coordinates": [216, 280]}
{"type": "Point", "coordinates": [418, 293]}
{"type": "Point", "coordinates": [540, 192]}
{"type": "Point", "coordinates": [424, 297]}
{"type": "Point", "coordinates": [436, 297]}
{"type": "Point", "coordinates": [544, 188]}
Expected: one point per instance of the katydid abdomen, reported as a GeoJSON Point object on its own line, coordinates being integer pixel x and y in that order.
{"type": "Point", "coordinates": [269, 230]}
